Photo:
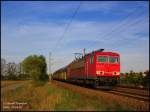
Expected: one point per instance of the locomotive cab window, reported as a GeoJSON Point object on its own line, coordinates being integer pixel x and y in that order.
{"type": "Point", "coordinates": [102, 59]}
{"type": "Point", "coordinates": [113, 59]}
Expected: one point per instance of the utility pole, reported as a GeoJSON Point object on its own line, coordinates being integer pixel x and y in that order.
{"type": "Point", "coordinates": [84, 52]}
{"type": "Point", "coordinates": [50, 65]}
{"type": "Point", "coordinates": [50, 62]}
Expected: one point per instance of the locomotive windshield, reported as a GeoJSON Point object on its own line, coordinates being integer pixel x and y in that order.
{"type": "Point", "coordinates": [102, 59]}
{"type": "Point", "coordinates": [113, 59]}
{"type": "Point", "coordinates": [110, 59]}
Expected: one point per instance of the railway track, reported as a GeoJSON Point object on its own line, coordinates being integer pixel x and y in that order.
{"type": "Point", "coordinates": [133, 87]}
{"type": "Point", "coordinates": [139, 94]}
{"type": "Point", "coordinates": [136, 93]}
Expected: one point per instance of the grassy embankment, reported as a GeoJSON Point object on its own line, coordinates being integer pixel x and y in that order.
{"type": "Point", "coordinates": [7, 83]}
{"type": "Point", "coordinates": [52, 97]}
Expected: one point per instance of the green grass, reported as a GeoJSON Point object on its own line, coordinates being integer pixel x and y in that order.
{"type": "Point", "coordinates": [38, 83]}
{"type": "Point", "coordinates": [76, 102]}
{"type": "Point", "coordinates": [49, 97]}
{"type": "Point", "coordinates": [51, 90]}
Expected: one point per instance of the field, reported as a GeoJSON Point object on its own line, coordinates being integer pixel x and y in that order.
{"type": "Point", "coordinates": [49, 97]}
{"type": "Point", "coordinates": [7, 83]}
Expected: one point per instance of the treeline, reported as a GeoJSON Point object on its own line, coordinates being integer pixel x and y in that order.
{"type": "Point", "coordinates": [12, 71]}
{"type": "Point", "coordinates": [135, 79]}
{"type": "Point", "coordinates": [15, 77]}
{"type": "Point", "coordinates": [32, 67]}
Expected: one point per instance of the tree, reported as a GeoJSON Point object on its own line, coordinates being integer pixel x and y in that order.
{"type": "Point", "coordinates": [35, 66]}
{"type": "Point", "coordinates": [146, 78]}
{"type": "Point", "coordinates": [11, 71]}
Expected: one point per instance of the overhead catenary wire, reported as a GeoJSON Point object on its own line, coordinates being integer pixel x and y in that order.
{"type": "Point", "coordinates": [120, 26]}
{"type": "Point", "coordinates": [137, 21]}
{"type": "Point", "coordinates": [114, 29]}
{"type": "Point", "coordinates": [132, 24]}
{"type": "Point", "coordinates": [67, 27]}
{"type": "Point", "coordinates": [74, 14]}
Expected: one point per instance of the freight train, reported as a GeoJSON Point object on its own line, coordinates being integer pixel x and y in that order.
{"type": "Point", "coordinates": [97, 68]}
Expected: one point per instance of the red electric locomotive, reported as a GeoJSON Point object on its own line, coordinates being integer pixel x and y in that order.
{"type": "Point", "coordinates": [97, 68]}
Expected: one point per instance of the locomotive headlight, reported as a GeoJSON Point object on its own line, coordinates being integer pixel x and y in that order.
{"type": "Point", "coordinates": [100, 72]}
{"type": "Point", "coordinates": [97, 72]}
{"type": "Point", "coordinates": [116, 73]}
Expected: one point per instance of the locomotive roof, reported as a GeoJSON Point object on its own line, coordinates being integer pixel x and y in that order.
{"type": "Point", "coordinates": [100, 52]}
{"type": "Point", "coordinates": [108, 53]}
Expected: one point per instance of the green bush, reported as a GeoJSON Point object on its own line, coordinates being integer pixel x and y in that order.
{"type": "Point", "coordinates": [35, 66]}
{"type": "Point", "coordinates": [135, 79]}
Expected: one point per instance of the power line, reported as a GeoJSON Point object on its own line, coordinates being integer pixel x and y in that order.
{"type": "Point", "coordinates": [127, 17]}
{"type": "Point", "coordinates": [124, 23]}
{"type": "Point", "coordinates": [57, 44]}
{"type": "Point", "coordinates": [67, 27]}
{"type": "Point", "coordinates": [132, 24]}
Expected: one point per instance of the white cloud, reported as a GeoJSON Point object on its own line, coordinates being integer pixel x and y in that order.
{"type": "Point", "coordinates": [21, 40]}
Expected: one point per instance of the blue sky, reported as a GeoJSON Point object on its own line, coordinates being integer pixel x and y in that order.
{"type": "Point", "coordinates": [38, 28]}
